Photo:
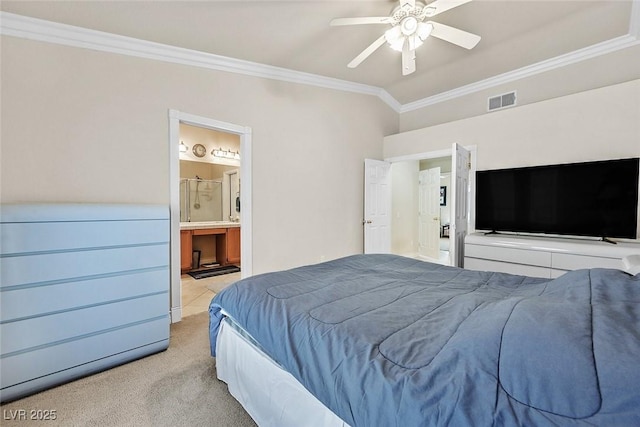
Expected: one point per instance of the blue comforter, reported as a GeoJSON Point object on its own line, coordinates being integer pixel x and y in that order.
{"type": "Point", "coordinates": [384, 340]}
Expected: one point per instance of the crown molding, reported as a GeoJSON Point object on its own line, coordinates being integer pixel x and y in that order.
{"type": "Point", "coordinates": [53, 32]}
{"type": "Point", "coordinates": [579, 55]}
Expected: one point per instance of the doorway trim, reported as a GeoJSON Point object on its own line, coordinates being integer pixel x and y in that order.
{"type": "Point", "coordinates": [175, 118]}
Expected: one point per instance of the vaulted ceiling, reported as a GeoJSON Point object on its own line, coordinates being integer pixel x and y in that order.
{"type": "Point", "coordinates": [296, 35]}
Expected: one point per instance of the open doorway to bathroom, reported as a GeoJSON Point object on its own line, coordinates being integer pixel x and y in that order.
{"type": "Point", "coordinates": [210, 191]}
{"type": "Point", "coordinates": [210, 228]}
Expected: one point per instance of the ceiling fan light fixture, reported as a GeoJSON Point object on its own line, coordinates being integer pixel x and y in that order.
{"type": "Point", "coordinates": [394, 38]}
{"type": "Point", "coordinates": [424, 30]}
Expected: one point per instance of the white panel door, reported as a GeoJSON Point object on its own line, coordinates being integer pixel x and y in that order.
{"type": "Point", "coordinates": [377, 206]}
{"type": "Point", "coordinates": [429, 213]}
{"type": "Point", "coordinates": [461, 163]}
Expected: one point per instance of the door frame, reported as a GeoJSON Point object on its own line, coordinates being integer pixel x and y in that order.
{"type": "Point", "coordinates": [448, 152]}
{"type": "Point", "coordinates": [175, 118]}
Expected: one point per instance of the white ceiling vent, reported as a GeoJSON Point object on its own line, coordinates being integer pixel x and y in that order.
{"type": "Point", "coordinates": [502, 101]}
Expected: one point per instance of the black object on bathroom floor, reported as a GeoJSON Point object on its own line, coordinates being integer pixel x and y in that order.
{"type": "Point", "coordinates": [210, 272]}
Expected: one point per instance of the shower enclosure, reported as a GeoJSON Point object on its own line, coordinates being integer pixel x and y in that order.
{"type": "Point", "coordinates": [200, 200]}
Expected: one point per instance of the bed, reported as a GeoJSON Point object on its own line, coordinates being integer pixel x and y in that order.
{"type": "Point", "coordinates": [384, 340]}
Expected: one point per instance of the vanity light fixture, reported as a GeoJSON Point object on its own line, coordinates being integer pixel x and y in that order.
{"type": "Point", "coordinates": [226, 154]}
{"type": "Point", "coordinates": [183, 147]}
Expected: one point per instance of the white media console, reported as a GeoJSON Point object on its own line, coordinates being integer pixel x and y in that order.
{"type": "Point", "coordinates": [541, 256]}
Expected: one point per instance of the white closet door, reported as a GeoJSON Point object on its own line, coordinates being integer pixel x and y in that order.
{"type": "Point", "coordinates": [377, 206]}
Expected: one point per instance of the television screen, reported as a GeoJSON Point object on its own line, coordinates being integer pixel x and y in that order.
{"type": "Point", "coordinates": [583, 199]}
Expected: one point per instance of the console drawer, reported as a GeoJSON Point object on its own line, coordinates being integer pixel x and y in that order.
{"type": "Point", "coordinates": [518, 256]}
{"type": "Point", "coordinates": [576, 262]}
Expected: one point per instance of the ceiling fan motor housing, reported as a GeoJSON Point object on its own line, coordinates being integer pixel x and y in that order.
{"type": "Point", "coordinates": [400, 12]}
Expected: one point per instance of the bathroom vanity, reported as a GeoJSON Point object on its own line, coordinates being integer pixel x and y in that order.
{"type": "Point", "coordinates": [216, 241]}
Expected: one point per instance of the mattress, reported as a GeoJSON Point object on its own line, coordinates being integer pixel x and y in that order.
{"type": "Point", "coordinates": [387, 340]}
{"type": "Point", "coordinates": [272, 396]}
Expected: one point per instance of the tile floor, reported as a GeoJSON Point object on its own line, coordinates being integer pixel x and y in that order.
{"type": "Point", "coordinates": [196, 294]}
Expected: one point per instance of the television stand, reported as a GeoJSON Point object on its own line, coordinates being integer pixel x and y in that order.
{"type": "Point", "coordinates": [547, 257]}
{"type": "Point", "coordinates": [607, 240]}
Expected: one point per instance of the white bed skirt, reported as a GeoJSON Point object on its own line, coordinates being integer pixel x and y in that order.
{"type": "Point", "coordinates": [272, 396]}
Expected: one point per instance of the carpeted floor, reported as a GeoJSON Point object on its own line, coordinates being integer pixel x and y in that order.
{"type": "Point", "coordinates": [172, 388]}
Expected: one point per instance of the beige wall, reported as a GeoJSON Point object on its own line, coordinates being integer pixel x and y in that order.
{"type": "Point", "coordinates": [87, 126]}
{"type": "Point", "coordinates": [444, 163]}
{"type": "Point", "coordinates": [598, 124]}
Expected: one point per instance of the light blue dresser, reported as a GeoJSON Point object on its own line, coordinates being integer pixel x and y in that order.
{"type": "Point", "coordinates": [83, 287]}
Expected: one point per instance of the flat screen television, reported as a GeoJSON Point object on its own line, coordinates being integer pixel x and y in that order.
{"type": "Point", "coordinates": [598, 199]}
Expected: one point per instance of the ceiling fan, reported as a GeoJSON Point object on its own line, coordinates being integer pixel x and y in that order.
{"type": "Point", "coordinates": [409, 28]}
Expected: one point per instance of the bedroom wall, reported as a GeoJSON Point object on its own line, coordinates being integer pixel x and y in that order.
{"type": "Point", "coordinates": [592, 125]}
{"type": "Point", "coordinates": [87, 126]}
{"type": "Point", "coordinates": [598, 124]}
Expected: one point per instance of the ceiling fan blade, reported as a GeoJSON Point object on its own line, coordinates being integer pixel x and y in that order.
{"type": "Point", "coordinates": [365, 53]}
{"type": "Point", "coordinates": [439, 6]}
{"type": "Point", "coordinates": [358, 21]}
{"type": "Point", "coordinates": [408, 59]}
{"type": "Point", "coordinates": [454, 35]}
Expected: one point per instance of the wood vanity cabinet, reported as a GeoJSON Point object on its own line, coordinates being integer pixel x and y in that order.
{"type": "Point", "coordinates": [226, 241]}
{"type": "Point", "coordinates": [228, 246]}
{"type": "Point", "coordinates": [233, 245]}
{"type": "Point", "coordinates": [186, 249]}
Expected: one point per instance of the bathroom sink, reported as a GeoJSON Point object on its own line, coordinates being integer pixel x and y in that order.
{"type": "Point", "coordinates": [208, 224]}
